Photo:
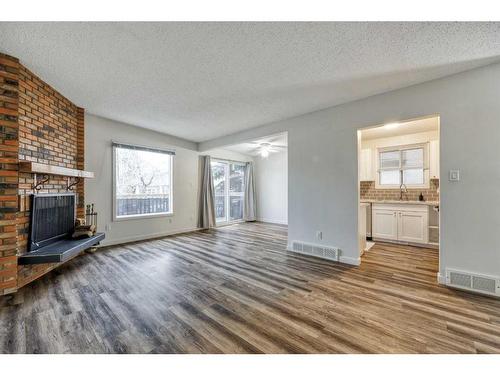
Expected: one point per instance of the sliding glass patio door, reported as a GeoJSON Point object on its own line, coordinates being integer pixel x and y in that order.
{"type": "Point", "coordinates": [229, 190]}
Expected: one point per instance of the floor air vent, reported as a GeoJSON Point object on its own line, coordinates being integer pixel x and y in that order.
{"type": "Point", "coordinates": [469, 281]}
{"type": "Point", "coordinates": [330, 253]}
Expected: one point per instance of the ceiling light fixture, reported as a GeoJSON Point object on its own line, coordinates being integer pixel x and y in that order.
{"type": "Point", "coordinates": [264, 149]}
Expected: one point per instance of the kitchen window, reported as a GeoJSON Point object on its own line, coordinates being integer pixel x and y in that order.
{"type": "Point", "coordinates": [403, 165]}
{"type": "Point", "coordinates": [142, 182]}
{"type": "Point", "coordinates": [228, 178]}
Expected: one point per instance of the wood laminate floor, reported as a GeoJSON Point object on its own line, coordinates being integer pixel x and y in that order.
{"type": "Point", "coordinates": [237, 290]}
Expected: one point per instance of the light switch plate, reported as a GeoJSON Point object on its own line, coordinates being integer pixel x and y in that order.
{"type": "Point", "coordinates": [454, 175]}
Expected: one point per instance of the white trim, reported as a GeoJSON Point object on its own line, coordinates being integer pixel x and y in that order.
{"type": "Point", "coordinates": [142, 216]}
{"type": "Point", "coordinates": [350, 260]}
{"type": "Point", "coordinates": [441, 279]}
{"type": "Point", "coordinates": [153, 149]}
{"type": "Point", "coordinates": [272, 221]}
{"type": "Point", "coordinates": [151, 236]}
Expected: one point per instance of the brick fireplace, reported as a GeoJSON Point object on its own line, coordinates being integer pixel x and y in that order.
{"type": "Point", "coordinates": [37, 124]}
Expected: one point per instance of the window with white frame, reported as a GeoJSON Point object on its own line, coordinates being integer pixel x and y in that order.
{"type": "Point", "coordinates": [403, 165]}
{"type": "Point", "coordinates": [142, 181]}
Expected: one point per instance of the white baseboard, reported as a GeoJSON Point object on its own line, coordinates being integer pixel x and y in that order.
{"type": "Point", "coordinates": [441, 279]}
{"type": "Point", "coordinates": [150, 236]}
{"type": "Point", "coordinates": [272, 221]}
{"type": "Point", "coordinates": [350, 260]}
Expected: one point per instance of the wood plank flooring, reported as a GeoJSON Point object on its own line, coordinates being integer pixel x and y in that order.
{"type": "Point", "coordinates": [237, 290]}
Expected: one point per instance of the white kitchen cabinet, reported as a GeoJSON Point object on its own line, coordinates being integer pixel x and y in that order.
{"type": "Point", "coordinates": [412, 226]}
{"type": "Point", "coordinates": [366, 165]}
{"type": "Point", "coordinates": [405, 222]}
{"type": "Point", "coordinates": [434, 159]}
{"type": "Point", "coordinates": [384, 224]}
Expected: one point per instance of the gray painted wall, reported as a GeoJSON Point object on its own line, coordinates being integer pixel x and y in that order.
{"type": "Point", "coordinates": [323, 183]}
{"type": "Point", "coordinates": [99, 132]}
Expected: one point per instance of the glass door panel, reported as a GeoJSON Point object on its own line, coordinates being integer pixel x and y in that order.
{"type": "Point", "coordinates": [236, 191]}
{"type": "Point", "coordinates": [229, 179]}
{"type": "Point", "coordinates": [220, 187]}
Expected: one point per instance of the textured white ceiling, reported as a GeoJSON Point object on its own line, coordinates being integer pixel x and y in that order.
{"type": "Point", "coordinates": [201, 81]}
{"type": "Point", "coordinates": [252, 148]}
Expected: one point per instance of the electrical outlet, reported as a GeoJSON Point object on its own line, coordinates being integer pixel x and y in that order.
{"type": "Point", "coordinates": [454, 175]}
{"type": "Point", "coordinates": [319, 235]}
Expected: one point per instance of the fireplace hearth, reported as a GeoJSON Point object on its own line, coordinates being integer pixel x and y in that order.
{"type": "Point", "coordinates": [52, 223]}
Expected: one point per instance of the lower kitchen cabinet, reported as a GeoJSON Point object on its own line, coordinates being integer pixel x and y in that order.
{"type": "Point", "coordinates": [405, 223]}
{"type": "Point", "coordinates": [384, 224]}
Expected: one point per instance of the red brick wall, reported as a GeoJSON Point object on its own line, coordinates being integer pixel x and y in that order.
{"type": "Point", "coordinates": [368, 191]}
{"type": "Point", "coordinates": [41, 126]}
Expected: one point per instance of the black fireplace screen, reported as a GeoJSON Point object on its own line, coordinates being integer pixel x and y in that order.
{"type": "Point", "coordinates": [52, 218]}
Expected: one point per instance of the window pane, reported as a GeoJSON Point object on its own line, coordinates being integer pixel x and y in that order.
{"type": "Point", "coordinates": [219, 178]}
{"type": "Point", "coordinates": [236, 208]}
{"type": "Point", "coordinates": [413, 158]}
{"type": "Point", "coordinates": [390, 177]}
{"type": "Point", "coordinates": [220, 208]}
{"type": "Point", "coordinates": [413, 176]}
{"type": "Point", "coordinates": [237, 177]}
{"type": "Point", "coordinates": [142, 182]}
{"type": "Point", "coordinates": [389, 159]}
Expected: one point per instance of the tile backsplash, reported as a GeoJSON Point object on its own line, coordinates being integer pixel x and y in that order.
{"type": "Point", "coordinates": [368, 191]}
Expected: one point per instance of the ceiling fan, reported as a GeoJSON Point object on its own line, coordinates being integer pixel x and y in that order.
{"type": "Point", "coordinates": [265, 148]}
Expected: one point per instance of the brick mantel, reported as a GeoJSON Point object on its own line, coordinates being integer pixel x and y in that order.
{"type": "Point", "coordinates": [37, 124]}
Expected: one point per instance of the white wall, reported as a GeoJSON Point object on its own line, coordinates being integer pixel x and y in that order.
{"type": "Point", "coordinates": [271, 180]}
{"type": "Point", "coordinates": [323, 182]}
{"type": "Point", "coordinates": [99, 133]}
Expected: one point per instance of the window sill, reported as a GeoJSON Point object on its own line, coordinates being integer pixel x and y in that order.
{"type": "Point", "coordinates": [140, 217]}
{"type": "Point", "coordinates": [397, 187]}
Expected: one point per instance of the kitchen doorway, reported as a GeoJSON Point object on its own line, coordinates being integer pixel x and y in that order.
{"type": "Point", "coordinates": [398, 188]}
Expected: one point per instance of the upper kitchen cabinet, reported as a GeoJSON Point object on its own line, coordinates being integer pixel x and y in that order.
{"type": "Point", "coordinates": [366, 170]}
{"type": "Point", "coordinates": [434, 159]}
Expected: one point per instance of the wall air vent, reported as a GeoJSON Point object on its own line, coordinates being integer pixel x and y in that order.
{"type": "Point", "coordinates": [324, 252]}
{"type": "Point", "coordinates": [473, 282]}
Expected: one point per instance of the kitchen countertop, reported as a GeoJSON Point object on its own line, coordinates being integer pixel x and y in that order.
{"type": "Point", "coordinates": [427, 203]}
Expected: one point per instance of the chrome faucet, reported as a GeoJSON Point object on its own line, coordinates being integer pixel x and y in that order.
{"type": "Point", "coordinates": [401, 191]}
